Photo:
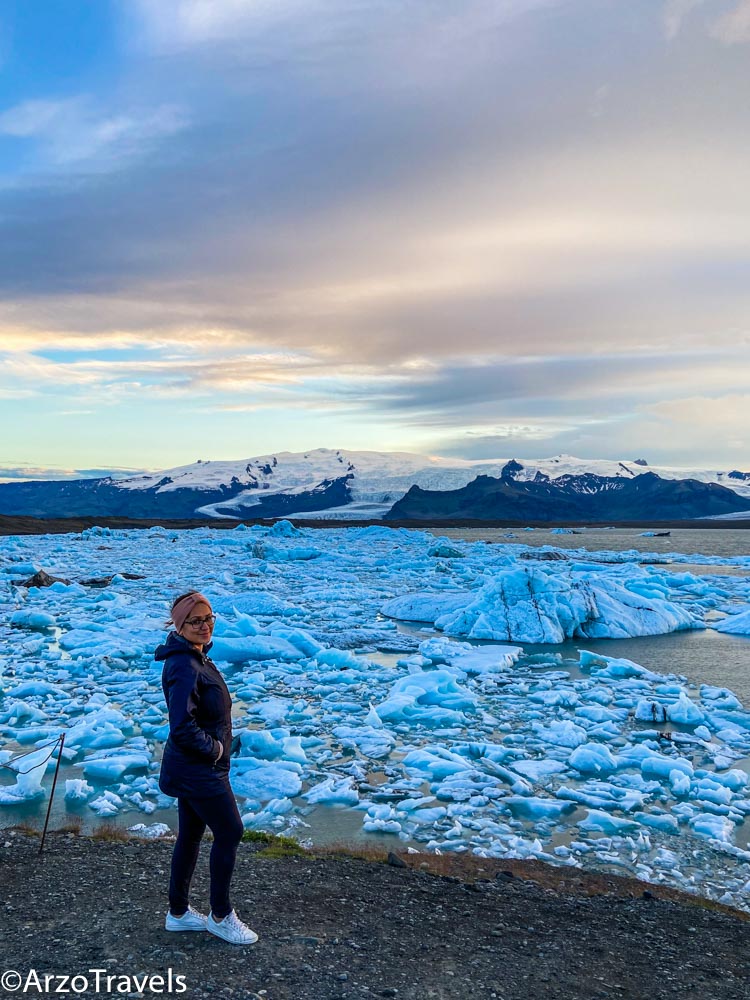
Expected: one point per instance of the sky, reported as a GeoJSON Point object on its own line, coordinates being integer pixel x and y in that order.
{"type": "Point", "coordinates": [482, 229]}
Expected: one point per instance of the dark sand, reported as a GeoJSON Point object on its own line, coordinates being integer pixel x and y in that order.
{"type": "Point", "coordinates": [343, 928]}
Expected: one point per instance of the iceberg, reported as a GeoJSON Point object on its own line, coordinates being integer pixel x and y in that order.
{"type": "Point", "coordinates": [593, 758]}
{"type": "Point", "coordinates": [431, 698]}
{"type": "Point", "coordinates": [547, 605]}
{"type": "Point", "coordinates": [268, 781]}
{"type": "Point", "coordinates": [736, 624]}
{"type": "Point", "coordinates": [30, 770]}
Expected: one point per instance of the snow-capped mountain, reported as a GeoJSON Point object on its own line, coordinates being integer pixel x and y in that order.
{"type": "Point", "coordinates": [375, 480]}
{"type": "Point", "coordinates": [322, 483]}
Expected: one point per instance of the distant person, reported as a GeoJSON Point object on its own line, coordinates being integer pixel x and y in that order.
{"type": "Point", "coordinates": [195, 770]}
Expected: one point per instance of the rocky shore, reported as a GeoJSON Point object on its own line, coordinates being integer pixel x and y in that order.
{"type": "Point", "coordinates": [339, 928]}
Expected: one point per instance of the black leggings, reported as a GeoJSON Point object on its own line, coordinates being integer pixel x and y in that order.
{"type": "Point", "coordinates": [220, 814]}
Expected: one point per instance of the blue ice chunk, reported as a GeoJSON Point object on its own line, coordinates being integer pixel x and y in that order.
{"type": "Point", "coordinates": [537, 809]}
{"type": "Point", "coordinates": [593, 758]}
{"type": "Point", "coordinates": [658, 821]}
{"type": "Point", "coordinates": [606, 823]}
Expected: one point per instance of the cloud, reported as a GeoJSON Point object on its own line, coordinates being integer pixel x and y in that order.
{"type": "Point", "coordinates": [214, 371]}
{"type": "Point", "coordinates": [709, 421]}
{"type": "Point", "coordinates": [176, 24]}
{"type": "Point", "coordinates": [525, 217]}
{"type": "Point", "coordinates": [733, 28]}
{"type": "Point", "coordinates": [74, 130]}
{"type": "Point", "coordinates": [31, 118]}
{"type": "Point", "coordinates": [594, 248]}
{"type": "Point", "coordinates": [698, 431]}
{"type": "Point", "coordinates": [653, 437]}
{"type": "Point", "coordinates": [572, 387]}
{"type": "Point", "coordinates": [675, 12]}
{"type": "Point", "coordinates": [372, 221]}
{"type": "Point", "coordinates": [172, 25]}
{"type": "Point", "coordinates": [15, 473]}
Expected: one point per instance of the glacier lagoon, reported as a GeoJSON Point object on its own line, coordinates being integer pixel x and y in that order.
{"type": "Point", "coordinates": [616, 743]}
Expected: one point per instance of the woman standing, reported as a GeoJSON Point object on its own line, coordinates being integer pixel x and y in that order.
{"type": "Point", "coordinates": [195, 770]}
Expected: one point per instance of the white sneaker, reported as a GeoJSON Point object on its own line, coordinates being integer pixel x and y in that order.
{"type": "Point", "coordinates": [191, 920]}
{"type": "Point", "coordinates": [231, 929]}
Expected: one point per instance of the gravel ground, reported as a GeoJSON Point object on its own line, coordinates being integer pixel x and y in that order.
{"type": "Point", "coordinates": [347, 928]}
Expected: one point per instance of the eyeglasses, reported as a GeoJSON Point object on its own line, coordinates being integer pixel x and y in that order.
{"type": "Point", "coordinates": [197, 622]}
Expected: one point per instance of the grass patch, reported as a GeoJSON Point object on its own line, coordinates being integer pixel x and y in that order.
{"type": "Point", "coordinates": [290, 849]}
{"type": "Point", "coordinates": [73, 825]}
{"type": "Point", "coordinates": [343, 850]}
{"type": "Point", "coordinates": [110, 832]}
{"type": "Point", "coordinates": [256, 837]}
{"type": "Point", "coordinates": [28, 828]}
{"type": "Point", "coordinates": [273, 845]}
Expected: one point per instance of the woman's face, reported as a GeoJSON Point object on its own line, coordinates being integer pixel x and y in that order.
{"type": "Point", "coordinates": [199, 627]}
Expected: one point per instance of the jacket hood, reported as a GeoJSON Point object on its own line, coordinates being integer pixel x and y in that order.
{"type": "Point", "coordinates": [177, 644]}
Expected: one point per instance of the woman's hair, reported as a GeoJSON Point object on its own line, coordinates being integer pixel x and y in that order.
{"type": "Point", "coordinates": [188, 593]}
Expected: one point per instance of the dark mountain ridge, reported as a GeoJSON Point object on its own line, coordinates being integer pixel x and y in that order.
{"type": "Point", "coordinates": [586, 497]}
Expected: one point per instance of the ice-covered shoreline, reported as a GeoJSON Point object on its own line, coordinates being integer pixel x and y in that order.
{"type": "Point", "coordinates": [456, 747]}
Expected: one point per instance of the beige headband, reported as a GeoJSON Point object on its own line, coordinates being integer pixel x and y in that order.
{"type": "Point", "coordinates": [184, 606]}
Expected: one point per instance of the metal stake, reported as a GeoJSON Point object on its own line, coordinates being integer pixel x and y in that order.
{"type": "Point", "coordinates": [52, 792]}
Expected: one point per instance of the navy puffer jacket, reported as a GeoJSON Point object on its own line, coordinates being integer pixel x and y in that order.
{"type": "Point", "coordinates": [200, 721]}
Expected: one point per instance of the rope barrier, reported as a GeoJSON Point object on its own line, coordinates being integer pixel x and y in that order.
{"type": "Point", "coordinates": [59, 743]}
{"type": "Point", "coordinates": [9, 763]}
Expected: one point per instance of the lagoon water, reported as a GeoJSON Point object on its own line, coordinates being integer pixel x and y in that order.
{"type": "Point", "coordinates": [723, 542]}
{"type": "Point", "coordinates": [704, 657]}
{"type": "Point", "coordinates": [331, 586]}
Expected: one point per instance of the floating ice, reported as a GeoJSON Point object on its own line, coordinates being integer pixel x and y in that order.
{"type": "Point", "coordinates": [426, 607]}
{"type": "Point", "coordinates": [271, 816]}
{"type": "Point", "coordinates": [151, 832]}
{"type": "Point", "coordinates": [539, 604]}
{"type": "Point", "coordinates": [736, 624]}
{"type": "Point", "coordinates": [685, 712]}
{"type": "Point", "coordinates": [538, 770]}
{"type": "Point", "coordinates": [436, 761]}
{"type": "Point", "coordinates": [109, 765]}
{"type": "Point", "coordinates": [30, 770]}
{"type": "Point", "coordinates": [26, 618]}
{"type": "Point", "coordinates": [249, 648]}
{"type": "Point", "coordinates": [78, 790]}
{"type": "Point", "coordinates": [561, 734]}
{"type": "Point", "coordinates": [593, 758]}
{"type": "Point", "coordinates": [472, 660]}
{"type": "Point", "coordinates": [273, 744]}
{"type": "Point", "coordinates": [535, 809]}
{"type": "Point", "coordinates": [430, 698]}
{"type": "Point", "coordinates": [607, 823]}
{"type": "Point", "coordinates": [333, 791]}
{"type": "Point", "coordinates": [712, 827]}
{"type": "Point", "coordinates": [108, 804]}
{"type": "Point", "coordinates": [371, 741]}
{"type": "Point", "coordinates": [382, 819]}
{"type": "Point", "coordinates": [262, 782]}
{"type": "Point", "coordinates": [284, 529]}
{"type": "Point", "coordinates": [432, 738]}
{"type": "Point", "coordinates": [256, 602]}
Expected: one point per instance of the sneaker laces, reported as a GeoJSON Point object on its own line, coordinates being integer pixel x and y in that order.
{"type": "Point", "coordinates": [233, 921]}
